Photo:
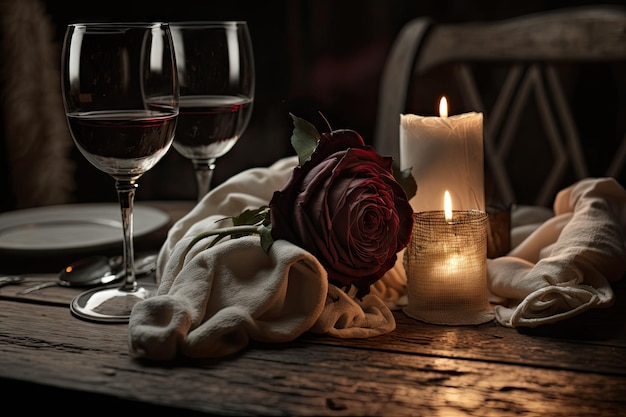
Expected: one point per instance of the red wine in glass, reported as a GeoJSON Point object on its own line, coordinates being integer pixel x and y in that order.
{"type": "Point", "coordinates": [123, 143]}
{"type": "Point", "coordinates": [209, 126]}
{"type": "Point", "coordinates": [215, 65]}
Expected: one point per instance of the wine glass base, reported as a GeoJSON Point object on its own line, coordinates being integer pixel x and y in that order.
{"type": "Point", "coordinates": [110, 305]}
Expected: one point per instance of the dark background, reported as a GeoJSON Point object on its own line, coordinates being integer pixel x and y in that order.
{"type": "Point", "coordinates": [311, 56]}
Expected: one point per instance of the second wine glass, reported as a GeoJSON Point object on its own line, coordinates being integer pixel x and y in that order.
{"type": "Point", "coordinates": [217, 81]}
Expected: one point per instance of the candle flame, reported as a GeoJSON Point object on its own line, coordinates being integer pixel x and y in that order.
{"type": "Point", "coordinates": [447, 206]}
{"type": "Point", "coordinates": [443, 107]}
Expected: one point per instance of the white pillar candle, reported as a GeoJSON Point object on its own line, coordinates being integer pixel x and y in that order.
{"type": "Point", "coordinates": [444, 153]}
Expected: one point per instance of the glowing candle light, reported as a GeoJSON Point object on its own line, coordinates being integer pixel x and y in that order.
{"type": "Point", "coordinates": [447, 206]}
{"type": "Point", "coordinates": [443, 107]}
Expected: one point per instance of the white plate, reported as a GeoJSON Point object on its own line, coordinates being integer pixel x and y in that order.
{"type": "Point", "coordinates": [72, 227]}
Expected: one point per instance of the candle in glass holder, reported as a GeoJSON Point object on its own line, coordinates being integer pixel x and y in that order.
{"type": "Point", "coordinates": [446, 267]}
{"type": "Point", "coordinates": [444, 153]}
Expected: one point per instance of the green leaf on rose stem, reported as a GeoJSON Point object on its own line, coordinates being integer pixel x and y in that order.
{"type": "Point", "coordinates": [405, 179]}
{"type": "Point", "coordinates": [304, 138]}
{"type": "Point", "coordinates": [252, 217]}
{"type": "Point", "coordinates": [267, 240]}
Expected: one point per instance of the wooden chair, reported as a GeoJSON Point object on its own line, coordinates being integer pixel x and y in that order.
{"type": "Point", "coordinates": [551, 86]}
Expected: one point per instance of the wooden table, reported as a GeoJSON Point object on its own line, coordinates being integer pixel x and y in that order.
{"type": "Point", "coordinates": [51, 361]}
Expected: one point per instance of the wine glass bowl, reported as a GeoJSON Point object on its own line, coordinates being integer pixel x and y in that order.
{"type": "Point", "coordinates": [217, 82]}
{"type": "Point", "coordinates": [120, 92]}
{"type": "Point", "coordinates": [144, 138]}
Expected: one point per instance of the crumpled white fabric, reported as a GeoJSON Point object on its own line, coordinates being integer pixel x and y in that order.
{"type": "Point", "coordinates": [212, 302]}
{"type": "Point", "coordinates": [563, 264]}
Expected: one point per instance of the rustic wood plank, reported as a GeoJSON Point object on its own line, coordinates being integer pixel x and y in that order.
{"type": "Point", "coordinates": [583, 34]}
{"type": "Point", "coordinates": [593, 341]}
{"type": "Point", "coordinates": [570, 344]}
{"type": "Point", "coordinates": [307, 377]}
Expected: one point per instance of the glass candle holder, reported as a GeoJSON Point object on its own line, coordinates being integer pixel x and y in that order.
{"type": "Point", "coordinates": [498, 230]}
{"type": "Point", "coordinates": [446, 266]}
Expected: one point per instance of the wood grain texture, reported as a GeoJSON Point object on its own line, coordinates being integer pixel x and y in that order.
{"type": "Point", "coordinates": [418, 369]}
{"type": "Point", "coordinates": [580, 34]}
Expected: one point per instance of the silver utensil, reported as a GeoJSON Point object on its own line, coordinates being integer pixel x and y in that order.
{"type": "Point", "coordinates": [86, 272]}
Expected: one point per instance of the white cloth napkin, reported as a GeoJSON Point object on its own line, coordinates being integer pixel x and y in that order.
{"type": "Point", "coordinates": [212, 302]}
{"type": "Point", "coordinates": [564, 264]}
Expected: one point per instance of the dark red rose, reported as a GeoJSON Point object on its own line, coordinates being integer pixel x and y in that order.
{"type": "Point", "coordinates": [344, 206]}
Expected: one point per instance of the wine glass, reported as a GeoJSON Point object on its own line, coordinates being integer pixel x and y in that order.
{"type": "Point", "coordinates": [120, 92]}
{"type": "Point", "coordinates": [217, 81]}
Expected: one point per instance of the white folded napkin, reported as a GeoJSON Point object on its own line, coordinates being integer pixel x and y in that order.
{"type": "Point", "coordinates": [212, 302]}
{"type": "Point", "coordinates": [564, 265]}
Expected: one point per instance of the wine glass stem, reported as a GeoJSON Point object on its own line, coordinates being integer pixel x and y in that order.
{"type": "Point", "coordinates": [204, 175]}
{"type": "Point", "coordinates": [126, 195]}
